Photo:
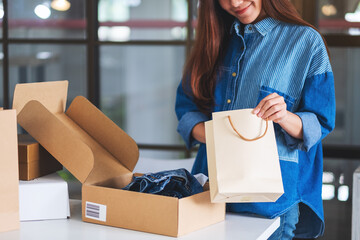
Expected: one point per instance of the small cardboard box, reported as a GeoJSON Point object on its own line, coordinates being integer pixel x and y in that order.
{"type": "Point", "coordinates": [102, 156]}
{"type": "Point", "coordinates": [9, 175]}
{"type": "Point", "coordinates": [34, 160]}
{"type": "Point", "coordinates": [44, 198]}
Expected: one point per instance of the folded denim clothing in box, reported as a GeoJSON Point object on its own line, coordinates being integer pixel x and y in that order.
{"type": "Point", "coordinates": [175, 183]}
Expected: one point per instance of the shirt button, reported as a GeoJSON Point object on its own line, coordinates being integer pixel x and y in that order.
{"type": "Point", "coordinates": [228, 101]}
{"type": "Point", "coordinates": [250, 28]}
{"type": "Point", "coordinates": [234, 74]}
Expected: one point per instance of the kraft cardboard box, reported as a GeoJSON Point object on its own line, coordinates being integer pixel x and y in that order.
{"type": "Point", "coordinates": [34, 160]}
{"type": "Point", "coordinates": [44, 198]}
{"type": "Point", "coordinates": [102, 156]}
{"type": "Point", "coordinates": [9, 175]}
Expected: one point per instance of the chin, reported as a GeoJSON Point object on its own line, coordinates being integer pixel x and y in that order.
{"type": "Point", "coordinates": [247, 20]}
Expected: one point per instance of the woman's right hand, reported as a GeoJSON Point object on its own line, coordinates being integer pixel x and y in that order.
{"type": "Point", "coordinates": [198, 132]}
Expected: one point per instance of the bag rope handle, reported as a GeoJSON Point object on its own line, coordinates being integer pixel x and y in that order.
{"type": "Point", "coordinates": [244, 138]}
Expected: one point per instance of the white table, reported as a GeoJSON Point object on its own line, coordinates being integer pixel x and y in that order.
{"type": "Point", "coordinates": [234, 227]}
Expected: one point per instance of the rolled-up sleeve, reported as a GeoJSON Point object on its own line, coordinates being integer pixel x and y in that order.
{"type": "Point", "coordinates": [316, 111]}
{"type": "Point", "coordinates": [187, 123]}
{"type": "Point", "coordinates": [188, 116]}
{"type": "Point", "coordinates": [311, 132]}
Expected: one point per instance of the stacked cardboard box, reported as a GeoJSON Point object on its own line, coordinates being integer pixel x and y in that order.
{"type": "Point", "coordinates": [44, 198]}
{"type": "Point", "coordinates": [42, 195]}
{"type": "Point", "coordinates": [102, 156]}
{"type": "Point", "coordinates": [34, 160]}
{"type": "Point", "coordinates": [9, 175]}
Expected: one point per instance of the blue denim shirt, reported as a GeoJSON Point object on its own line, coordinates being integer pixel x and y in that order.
{"type": "Point", "coordinates": [291, 60]}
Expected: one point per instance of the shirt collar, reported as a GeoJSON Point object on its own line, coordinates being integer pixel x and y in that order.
{"type": "Point", "coordinates": [263, 27]}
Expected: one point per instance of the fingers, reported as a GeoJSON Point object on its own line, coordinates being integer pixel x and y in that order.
{"type": "Point", "coordinates": [272, 107]}
{"type": "Point", "coordinates": [276, 113]}
{"type": "Point", "coordinates": [263, 101]}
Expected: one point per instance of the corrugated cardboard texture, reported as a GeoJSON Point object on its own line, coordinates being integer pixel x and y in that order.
{"type": "Point", "coordinates": [107, 134]}
{"type": "Point", "coordinates": [57, 138]}
{"type": "Point", "coordinates": [152, 213]}
{"type": "Point", "coordinates": [105, 139]}
{"type": "Point", "coordinates": [80, 139]}
{"type": "Point", "coordinates": [52, 96]}
{"type": "Point", "coordinates": [9, 176]}
{"type": "Point", "coordinates": [34, 160]}
{"type": "Point", "coordinates": [102, 156]}
{"type": "Point", "coordinates": [132, 210]}
{"type": "Point", "coordinates": [196, 212]}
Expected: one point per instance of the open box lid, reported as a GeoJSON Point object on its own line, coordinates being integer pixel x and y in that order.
{"type": "Point", "coordinates": [69, 136]}
{"type": "Point", "coordinates": [52, 95]}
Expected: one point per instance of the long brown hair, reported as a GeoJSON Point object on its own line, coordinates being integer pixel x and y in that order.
{"type": "Point", "coordinates": [212, 36]}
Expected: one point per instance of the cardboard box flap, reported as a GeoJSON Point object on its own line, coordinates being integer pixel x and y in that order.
{"type": "Point", "coordinates": [105, 132]}
{"type": "Point", "coordinates": [51, 94]}
{"type": "Point", "coordinates": [53, 134]}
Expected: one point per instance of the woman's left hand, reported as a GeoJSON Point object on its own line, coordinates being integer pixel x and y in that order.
{"type": "Point", "coordinates": [272, 107]}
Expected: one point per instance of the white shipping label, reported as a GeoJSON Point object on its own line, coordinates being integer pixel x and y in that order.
{"type": "Point", "coordinates": [95, 211]}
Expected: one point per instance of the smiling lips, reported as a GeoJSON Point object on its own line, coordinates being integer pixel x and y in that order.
{"type": "Point", "coordinates": [241, 11]}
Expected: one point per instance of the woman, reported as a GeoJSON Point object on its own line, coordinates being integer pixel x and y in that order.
{"type": "Point", "coordinates": [262, 55]}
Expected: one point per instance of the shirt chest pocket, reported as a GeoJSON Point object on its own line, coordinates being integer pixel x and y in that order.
{"type": "Point", "coordinates": [285, 152]}
{"type": "Point", "coordinates": [264, 91]}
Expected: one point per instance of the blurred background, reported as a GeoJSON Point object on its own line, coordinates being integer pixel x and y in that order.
{"type": "Point", "coordinates": [127, 56]}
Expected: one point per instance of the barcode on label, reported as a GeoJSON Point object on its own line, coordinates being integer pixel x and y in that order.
{"type": "Point", "coordinates": [95, 211]}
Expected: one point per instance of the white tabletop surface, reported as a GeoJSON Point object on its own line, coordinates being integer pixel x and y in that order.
{"type": "Point", "coordinates": [234, 227]}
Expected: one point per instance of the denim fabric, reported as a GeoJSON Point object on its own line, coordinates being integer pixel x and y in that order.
{"type": "Point", "coordinates": [291, 60]}
{"type": "Point", "coordinates": [174, 183]}
{"type": "Point", "coordinates": [188, 122]}
{"type": "Point", "coordinates": [288, 222]}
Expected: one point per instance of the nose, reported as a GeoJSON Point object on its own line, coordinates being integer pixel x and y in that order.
{"type": "Point", "coordinates": [236, 3]}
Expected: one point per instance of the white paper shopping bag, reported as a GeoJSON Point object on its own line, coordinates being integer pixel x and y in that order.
{"type": "Point", "coordinates": [243, 161]}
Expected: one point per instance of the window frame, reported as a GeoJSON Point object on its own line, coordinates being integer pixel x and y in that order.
{"type": "Point", "coordinates": [92, 44]}
{"type": "Point", "coordinates": [307, 8]}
